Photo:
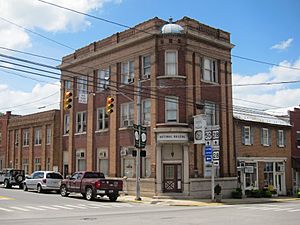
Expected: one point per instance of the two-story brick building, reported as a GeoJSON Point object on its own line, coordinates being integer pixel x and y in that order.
{"type": "Point", "coordinates": [263, 149]}
{"type": "Point", "coordinates": [181, 66]}
{"type": "Point", "coordinates": [34, 142]}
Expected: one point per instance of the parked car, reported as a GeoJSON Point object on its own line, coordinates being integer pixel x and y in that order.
{"type": "Point", "coordinates": [43, 181]}
{"type": "Point", "coordinates": [90, 184]}
{"type": "Point", "coordinates": [10, 177]}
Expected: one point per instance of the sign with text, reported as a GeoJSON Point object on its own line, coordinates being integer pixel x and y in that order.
{"type": "Point", "coordinates": [172, 137]}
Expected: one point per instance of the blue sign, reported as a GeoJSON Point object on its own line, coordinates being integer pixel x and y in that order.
{"type": "Point", "coordinates": [208, 150]}
{"type": "Point", "coordinates": [208, 158]}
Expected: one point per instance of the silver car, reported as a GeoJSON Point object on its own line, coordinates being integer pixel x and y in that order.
{"type": "Point", "coordinates": [43, 181]}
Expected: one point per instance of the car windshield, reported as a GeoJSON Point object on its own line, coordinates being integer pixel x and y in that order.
{"type": "Point", "coordinates": [93, 175]}
{"type": "Point", "coordinates": [54, 176]}
{"type": "Point", "coordinates": [15, 172]}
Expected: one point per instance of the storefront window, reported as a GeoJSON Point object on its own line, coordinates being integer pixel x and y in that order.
{"type": "Point", "coordinates": [268, 174]}
{"type": "Point", "coordinates": [250, 176]}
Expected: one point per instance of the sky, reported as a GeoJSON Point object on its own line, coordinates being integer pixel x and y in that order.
{"type": "Point", "coordinates": [261, 30]}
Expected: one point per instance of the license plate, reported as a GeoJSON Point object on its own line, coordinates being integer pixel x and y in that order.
{"type": "Point", "coordinates": [111, 191]}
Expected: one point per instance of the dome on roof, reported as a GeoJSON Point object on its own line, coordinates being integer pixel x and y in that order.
{"type": "Point", "coordinates": [171, 28]}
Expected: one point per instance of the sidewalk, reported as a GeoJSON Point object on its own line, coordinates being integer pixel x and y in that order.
{"type": "Point", "coordinates": [203, 202]}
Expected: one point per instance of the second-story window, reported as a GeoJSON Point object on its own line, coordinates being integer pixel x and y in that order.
{"type": "Point", "coordinates": [66, 123]}
{"type": "Point", "coordinates": [67, 84]}
{"type": "Point", "coordinates": [247, 135]}
{"type": "Point", "coordinates": [210, 71]}
{"type": "Point", "coordinates": [81, 122]}
{"type": "Point", "coordinates": [298, 139]}
{"type": "Point", "coordinates": [212, 113]}
{"type": "Point", "coordinates": [25, 137]}
{"type": "Point", "coordinates": [127, 72]}
{"type": "Point", "coordinates": [102, 119]}
{"type": "Point", "coordinates": [265, 137]}
{"type": "Point", "coordinates": [48, 135]}
{"type": "Point", "coordinates": [82, 85]}
{"type": "Point", "coordinates": [171, 107]}
{"type": "Point", "coordinates": [16, 137]}
{"type": "Point", "coordinates": [103, 77]}
{"type": "Point", "coordinates": [146, 67]}
{"type": "Point", "coordinates": [146, 112]}
{"type": "Point", "coordinates": [127, 114]}
{"type": "Point", "coordinates": [0, 137]}
{"type": "Point", "coordinates": [171, 63]}
{"type": "Point", "coordinates": [37, 136]}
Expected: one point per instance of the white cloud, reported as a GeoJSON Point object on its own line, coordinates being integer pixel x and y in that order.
{"type": "Point", "coordinates": [40, 16]}
{"type": "Point", "coordinates": [283, 44]}
{"type": "Point", "coordinates": [40, 98]}
{"type": "Point", "coordinates": [280, 95]}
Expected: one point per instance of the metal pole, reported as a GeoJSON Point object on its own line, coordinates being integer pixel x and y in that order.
{"type": "Point", "coordinates": [212, 181]}
{"type": "Point", "coordinates": [138, 155]}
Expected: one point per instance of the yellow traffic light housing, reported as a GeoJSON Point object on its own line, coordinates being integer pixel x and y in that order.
{"type": "Point", "coordinates": [68, 100]}
{"type": "Point", "coordinates": [109, 105]}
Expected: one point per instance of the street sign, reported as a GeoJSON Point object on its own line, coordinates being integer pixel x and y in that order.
{"type": "Point", "coordinates": [140, 136]}
{"type": "Point", "coordinates": [208, 158]}
{"type": "Point", "coordinates": [216, 162]}
{"type": "Point", "coordinates": [208, 150]}
{"type": "Point", "coordinates": [216, 155]}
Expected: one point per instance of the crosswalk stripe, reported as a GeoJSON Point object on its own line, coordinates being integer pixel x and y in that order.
{"type": "Point", "coordinates": [89, 206]}
{"type": "Point", "coordinates": [75, 206]}
{"type": "Point", "coordinates": [7, 210]}
{"type": "Point", "coordinates": [48, 207]}
{"type": "Point", "coordinates": [62, 207]}
{"type": "Point", "coordinates": [99, 206]}
{"type": "Point", "coordinates": [18, 208]}
{"type": "Point", "coordinates": [294, 210]}
{"type": "Point", "coordinates": [283, 209]}
{"type": "Point", "coordinates": [34, 208]}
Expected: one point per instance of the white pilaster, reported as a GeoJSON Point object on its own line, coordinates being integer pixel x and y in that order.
{"type": "Point", "coordinates": [158, 170]}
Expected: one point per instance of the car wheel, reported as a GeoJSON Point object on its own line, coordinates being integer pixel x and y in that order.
{"type": "Point", "coordinates": [113, 198]}
{"type": "Point", "coordinates": [89, 195]}
{"type": "Point", "coordinates": [19, 178]}
{"type": "Point", "coordinates": [39, 188]}
{"type": "Point", "coordinates": [6, 184]}
{"type": "Point", "coordinates": [25, 187]}
{"type": "Point", "coordinates": [63, 191]}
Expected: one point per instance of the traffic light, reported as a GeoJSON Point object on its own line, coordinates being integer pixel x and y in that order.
{"type": "Point", "coordinates": [68, 100]}
{"type": "Point", "coordinates": [109, 104]}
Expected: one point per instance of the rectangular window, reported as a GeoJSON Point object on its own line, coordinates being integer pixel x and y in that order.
{"type": "Point", "coordinates": [146, 67]}
{"type": "Point", "coordinates": [16, 137]}
{"type": "Point", "coordinates": [103, 79]}
{"type": "Point", "coordinates": [102, 119]}
{"type": "Point", "coordinates": [66, 123]}
{"type": "Point", "coordinates": [265, 137]}
{"type": "Point", "coordinates": [81, 85]}
{"type": "Point", "coordinates": [280, 138]}
{"type": "Point", "coordinates": [171, 106]}
{"type": "Point", "coordinates": [67, 85]}
{"type": "Point", "coordinates": [81, 122]}
{"type": "Point", "coordinates": [37, 136]}
{"type": "Point", "coordinates": [146, 167]}
{"type": "Point", "coordinates": [210, 70]}
{"type": "Point", "coordinates": [25, 137]}
{"type": "Point", "coordinates": [48, 135]}
{"type": "Point", "coordinates": [246, 135]}
{"type": "Point", "coordinates": [146, 112]}
{"type": "Point", "coordinates": [48, 164]}
{"type": "Point", "coordinates": [212, 113]}
{"type": "Point", "coordinates": [128, 167]}
{"type": "Point", "coordinates": [298, 139]}
{"type": "Point", "coordinates": [171, 63]}
{"type": "Point", "coordinates": [25, 166]}
{"type": "Point", "coordinates": [102, 163]}
{"type": "Point", "coordinates": [37, 164]}
{"type": "Point", "coordinates": [127, 114]}
{"type": "Point", "coordinates": [127, 72]}
{"type": "Point", "coordinates": [268, 174]}
{"type": "Point", "coordinates": [0, 137]}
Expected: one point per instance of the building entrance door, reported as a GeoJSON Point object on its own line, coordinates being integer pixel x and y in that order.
{"type": "Point", "coordinates": [279, 183]}
{"type": "Point", "coordinates": [172, 178]}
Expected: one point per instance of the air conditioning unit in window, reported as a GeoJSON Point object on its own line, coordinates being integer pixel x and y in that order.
{"type": "Point", "coordinates": [280, 168]}
{"type": "Point", "coordinates": [126, 123]}
{"type": "Point", "coordinates": [80, 154]}
{"type": "Point", "coordinates": [102, 154]}
{"type": "Point", "coordinates": [146, 76]}
{"type": "Point", "coordinates": [123, 152]}
{"type": "Point", "coordinates": [130, 80]}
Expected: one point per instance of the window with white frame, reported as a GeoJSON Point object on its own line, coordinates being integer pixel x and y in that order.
{"type": "Point", "coordinates": [146, 111]}
{"type": "Point", "coordinates": [66, 123]}
{"type": "Point", "coordinates": [127, 114]}
{"type": "Point", "coordinates": [25, 137]}
{"type": "Point", "coordinates": [25, 165]}
{"type": "Point", "coordinates": [0, 137]}
{"type": "Point", "coordinates": [268, 174]}
{"type": "Point", "coordinates": [247, 135]}
{"type": "Point", "coordinates": [280, 138]}
{"type": "Point", "coordinates": [1, 164]}
{"type": "Point", "coordinates": [37, 136]}
{"type": "Point", "coordinates": [127, 72]}
{"type": "Point", "coordinates": [37, 164]}
{"type": "Point", "coordinates": [127, 163]}
{"type": "Point", "coordinates": [212, 113]}
{"type": "Point", "coordinates": [48, 135]}
{"type": "Point", "coordinates": [265, 137]}
{"type": "Point", "coordinates": [103, 77]}
{"type": "Point", "coordinates": [146, 66]}
{"type": "Point", "coordinates": [80, 122]}
{"type": "Point", "coordinates": [171, 63]}
{"type": "Point", "coordinates": [82, 85]}
{"type": "Point", "coordinates": [48, 164]}
{"type": "Point", "coordinates": [102, 163]}
{"type": "Point", "coordinates": [210, 70]}
{"type": "Point", "coordinates": [171, 109]}
{"type": "Point", "coordinates": [16, 137]}
{"type": "Point", "coordinates": [102, 119]}
{"type": "Point", "coordinates": [67, 84]}
{"type": "Point", "coordinates": [298, 139]}
{"type": "Point", "coordinates": [16, 163]}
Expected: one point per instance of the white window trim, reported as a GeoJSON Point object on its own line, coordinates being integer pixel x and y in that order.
{"type": "Point", "coordinates": [37, 136]}
{"type": "Point", "coordinates": [66, 124]}
{"type": "Point", "coordinates": [216, 114]}
{"type": "Point", "coordinates": [48, 135]}
{"type": "Point", "coordinates": [127, 108]}
{"type": "Point", "coordinates": [267, 138]}
{"type": "Point", "coordinates": [211, 61]}
{"type": "Point", "coordinates": [281, 141]}
{"type": "Point", "coordinates": [81, 85]}
{"type": "Point", "coordinates": [102, 119]}
{"type": "Point", "coordinates": [102, 80]}
{"type": "Point", "coordinates": [128, 76]}
{"type": "Point", "coordinates": [81, 131]}
{"type": "Point", "coordinates": [166, 108]}
{"type": "Point", "coordinates": [247, 140]}
{"type": "Point", "coordinates": [297, 133]}
{"type": "Point", "coordinates": [25, 137]}
{"type": "Point", "coordinates": [143, 110]}
{"type": "Point", "coordinates": [146, 75]}
{"type": "Point", "coordinates": [176, 69]}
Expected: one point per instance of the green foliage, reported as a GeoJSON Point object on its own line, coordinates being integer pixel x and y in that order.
{"type": "Point", "coordinates": [237, 193]}
{"type": "Point", "coordinates": [266, 194]}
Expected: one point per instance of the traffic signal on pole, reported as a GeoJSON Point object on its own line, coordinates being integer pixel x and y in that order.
{"type": "Point", "coordinates": [109, 105]}
{"type": "Point", "coordinates": [68, 100]}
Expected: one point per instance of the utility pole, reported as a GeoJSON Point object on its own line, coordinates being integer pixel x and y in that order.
{"type": "Point", "coordinates": [138, 155]}
{"type": "Point", "coordinates": [212, 181]}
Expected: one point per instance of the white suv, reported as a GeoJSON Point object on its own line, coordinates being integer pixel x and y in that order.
{"type": "Point", "coordinates": [43, 181]}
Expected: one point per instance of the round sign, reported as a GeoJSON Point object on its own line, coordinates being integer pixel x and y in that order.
{"type": "Point", "coordinates": [198, 135]}
{"type": "Point", "coordinates": [136, 135]}
{"type": "Point", "coordinates": [144, 137]}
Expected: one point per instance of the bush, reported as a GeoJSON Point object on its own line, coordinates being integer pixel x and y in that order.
{"type": "Point", "coordinates": [266, 194]}
{"type": "Point", "coordinates": [237, 193]}
{"type": "Point", "coordinates": [298, 193]}
{"type": "Point", "coordinates": [256, 193]}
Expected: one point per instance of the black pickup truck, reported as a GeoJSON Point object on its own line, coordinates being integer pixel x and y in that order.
{"type": "Point", "coordinates": [90, 185]}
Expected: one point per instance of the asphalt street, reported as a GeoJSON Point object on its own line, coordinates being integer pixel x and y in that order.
{"type": "Point", "coordinates": [19, 207]}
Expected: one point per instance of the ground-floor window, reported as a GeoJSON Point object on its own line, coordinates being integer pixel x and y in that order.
{"type": "Point", "coordinates": [48, 164]}
{"type": "Point", "coordinates": [128, 167]}
{"type": "Point", "coordinates": [80, 160]}
{"type": "Point", "coordinates": [250, 175]}
{"type": "Point", "coordinates": [268, 174]}
{"type": "Point", "coordinates": [146, 167]}
{"type": "Point", "coordinates": [25, 166]}
{"type": "Point", "coordinates": [1, 164]}
{"type": "Point", "coordinates": [102, 161]}
{"type": "Point", "coordinates": [37, 164]}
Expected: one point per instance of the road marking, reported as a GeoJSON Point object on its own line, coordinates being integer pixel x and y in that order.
{"type": "Point", "coordinates": [34, 208]}
{"type": "Point", "coordinates": [294, 210]}
{"type": "Point", "coordinates": [6, 198]}
{"type": "Point", "coordinates": [48, 207]}
{"type": "Point", "coordinates": [7, 210]}
{"type": "Point", "coordinates": [283, 209]}
{"type": "Point", "coordinates": [18, 208]}
{"type": "Point", "coordinates": [99, 206]}
{"type": "Point", "coordinates": [62, 207]}
{"type": "Point", "coordinates": [93, 207]}
{"type": "Point", "coordinates": [76, 206]}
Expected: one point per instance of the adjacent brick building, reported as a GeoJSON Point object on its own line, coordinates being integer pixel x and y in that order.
{"type": "Point", "coordinates": [263, 149]}
{"type": "Point", "coordinates": [34, 142]}
{"type": "Point", "coordinates": [181, 66]}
